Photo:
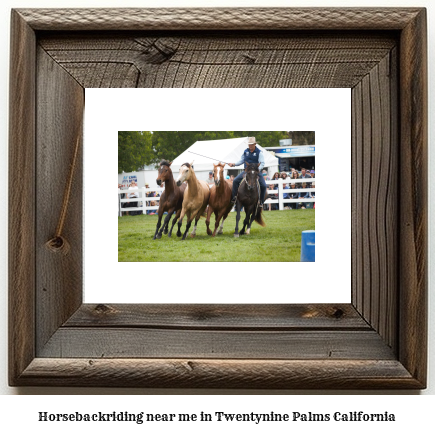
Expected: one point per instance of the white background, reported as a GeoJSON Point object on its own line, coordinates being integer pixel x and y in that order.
{"type": "Point", "coordinates": [416, 411]}
{"type": "Point", "coordinates": [326, 111]}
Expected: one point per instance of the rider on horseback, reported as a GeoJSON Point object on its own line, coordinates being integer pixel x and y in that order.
{"type": "Point", "coordinates": [251, 155]}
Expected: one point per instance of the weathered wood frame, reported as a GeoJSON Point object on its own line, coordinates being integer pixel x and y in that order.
{"type": "Point", "coordinates": [377, 341]}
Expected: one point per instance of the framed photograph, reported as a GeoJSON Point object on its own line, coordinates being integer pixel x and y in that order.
{"type": "Point", "coordinates": [128, 250]}
{"type": "Point", "coordinates": [377, 341]}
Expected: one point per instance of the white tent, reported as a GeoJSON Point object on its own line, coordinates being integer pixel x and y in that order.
{"type": "Point", "coordinates": [225, 150]}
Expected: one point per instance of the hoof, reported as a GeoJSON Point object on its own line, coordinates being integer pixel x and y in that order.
{"type": "Point", "coordinates": [178, 234]}
{"type": "Point", "coordinates": [248, 231]}
{"type": "Point", "coordinates": [165, 231]}
{"type": "Point", "coordinates": [192, 235]}
{"type": "Point", "coordinates": [158, 236]}
{"type": "Point", "coordinates": [220, 232]}
{"type": "Point", "coordinates": [236, 235]}
{"type": "Point", "coordinates": [169, 235]}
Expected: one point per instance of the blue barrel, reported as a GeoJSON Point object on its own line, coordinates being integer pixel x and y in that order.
{"type": "Point", "coordinates": [308, 247]}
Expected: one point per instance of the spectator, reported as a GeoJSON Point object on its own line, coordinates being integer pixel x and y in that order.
{"type": "Point", "coordinates": [295, 175]}
{"type": "Point", "coordinates": [305, 195]}
{"type": "Point", "coordinates": [210, 179]}
{"type": "Point", "coordinates": [264, 173]}
{"type": "Point", "coordinates": [294, 195]}
{"type": "Point", "coordinates": [149, 194]}
{"type": "Point", "coordinates": [313, 194]}
{"type": "Point", "coordinates": [132, 195]}
{"type": "Point", "coordinates": [274, 206]}
{"type": "Point", "coordinates": [121, 196]}
{"type": "Point", "coordinates": [283, 175]}
{"type": "Point", "coordinates": [152, 211]}
{"type": "Point", "coordinates": [305, 175]}
{"type": "Point", "coordinates": [286, 195]}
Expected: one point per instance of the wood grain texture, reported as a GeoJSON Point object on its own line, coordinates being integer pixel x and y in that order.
{"type": "Point", "coordinates": [220, 18]}
{"type": "Point", "coordinates": [269, 317]}
{"type": "Point", "coordinates": [378, 342]}
{"type": "Point", "coordinates": [127, 342]}
{"type": "Point", "coordinates": [229, 374]}
{"type": "Point", "coordinates": [21, 207]}
{"type": "Point", "coordinates": [414, 204]}
{"type": "Point", "coordinates": [375, 198]}
{"type": "Point", "coordinates": [236, 60]}
{"type": "Point", "coordinates": [59, 278]}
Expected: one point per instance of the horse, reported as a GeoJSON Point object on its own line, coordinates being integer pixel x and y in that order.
{"type": "Point", "coordinates": [220, 199]}
{"type": "Point", "coordinates": [171, 200]}
{"type": "Point", "coordinates": [248, 197]}
{"type": "Point", "coordinates": [195, 198]}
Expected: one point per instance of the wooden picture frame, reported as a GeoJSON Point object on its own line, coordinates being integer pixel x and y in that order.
{"type": "Point", "coordinates": [378, 341]}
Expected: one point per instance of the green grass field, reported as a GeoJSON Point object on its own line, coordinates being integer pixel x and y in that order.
{"type": "Point", "coordinates": [278, 241]}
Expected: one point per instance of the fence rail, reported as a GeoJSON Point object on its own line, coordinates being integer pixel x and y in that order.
{"type": "Point", "coordinates": [143, 200]}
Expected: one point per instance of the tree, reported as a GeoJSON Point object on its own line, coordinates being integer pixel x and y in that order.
{"type": "Point", "coordinates": [302, 137]}
{"type": "Point", "coordinates": [265, 139]}
{"type": "Point", "coordinates": [134, 150]}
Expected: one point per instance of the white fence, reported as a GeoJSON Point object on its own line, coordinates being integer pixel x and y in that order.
{"type": "Point", "coordinates": [280, 192]}
{"type": "Point", "coordinates": [144, 202]}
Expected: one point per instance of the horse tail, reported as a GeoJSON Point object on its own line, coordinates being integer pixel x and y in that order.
{"type": "Point", "coordinates": [259, 217]}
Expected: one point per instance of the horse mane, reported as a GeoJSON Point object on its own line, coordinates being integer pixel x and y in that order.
{"type": "Point", "coordinates": [165, 163]}
{"type": "Point", "coordinates": [187, 165]}
{"type": "Point", "coordinates": [252, 166]}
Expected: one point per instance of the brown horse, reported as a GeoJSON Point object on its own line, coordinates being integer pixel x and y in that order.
{"type": "Point", "coordinates": [171, 200]}
{"type": "Point", "coordinates": [195, 198]}
{"type": "Point", "coordinates": [220, 199]}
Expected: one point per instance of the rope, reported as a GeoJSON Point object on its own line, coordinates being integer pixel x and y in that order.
{"type": "Point", "coordinates": [59, 244]}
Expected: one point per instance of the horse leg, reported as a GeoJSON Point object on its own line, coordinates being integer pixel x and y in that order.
{"type": "Point", "coordinates": [250, 222]}
{"type": "Point", "coordinates": [245, 221]}
{"type": "Point", "coordinates": [180, 222]}
{"type": "Point", "coordinates": [207, 222]}
{"type": "Point", "coordinates": [159, 221]}
{"type": "Point", "coordinates": [164, 228]}
{"type": "Point", "coordinates": [221, 229]}
{"type": "Point", "coordinates": [236, 232]}
{"type": "Point", "coordinates": [165, 224]}
{"type": "Point", "coordinates": [193, 233]}
{"type": "Point", "coordinates": [177, 215]}
{"type": "Point", "coordinates": [189, 223]}
{"type": "Point", "coordinates": [218, 219]}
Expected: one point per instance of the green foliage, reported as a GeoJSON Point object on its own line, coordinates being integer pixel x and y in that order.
{"type": "Point", "coordinates": [279, 241]}
{"type": "Point", "coordinates": [134, 150]}
{"type": "Point", "coordinates": [302, 137]}
{"type": "Point", "coordinates": [265, 139]}
{"type": "Point", "coordinates": [139, 148]}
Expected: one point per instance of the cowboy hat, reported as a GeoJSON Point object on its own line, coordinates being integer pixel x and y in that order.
{"type": "Point", "coordinates": [251, 141]}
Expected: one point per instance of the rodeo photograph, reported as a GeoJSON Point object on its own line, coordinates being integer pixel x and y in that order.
{"type": "Point", "coordinates": [216, 196]}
